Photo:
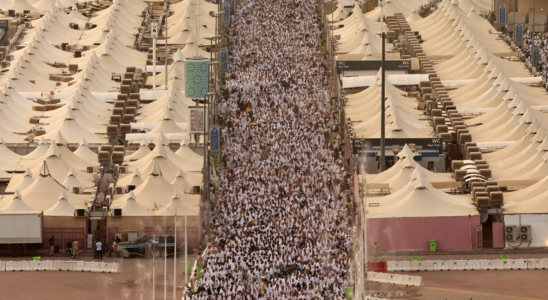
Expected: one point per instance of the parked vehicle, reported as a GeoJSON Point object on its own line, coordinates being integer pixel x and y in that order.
{"type": "Point", "coordinates": [20, 231]}
{"type": "Point", "coordinates": [138, 246]}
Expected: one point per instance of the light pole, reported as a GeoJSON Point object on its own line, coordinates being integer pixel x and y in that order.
{"type": "Point", "coordinates": [331, 45]}
{"type": "Point", "coordinates": [383, 87]}
{"type": "Point", "coordinates": [166, 5]}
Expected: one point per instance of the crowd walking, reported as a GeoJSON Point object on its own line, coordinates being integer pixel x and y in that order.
{"type": "Point", "coordinates": [279, 226]}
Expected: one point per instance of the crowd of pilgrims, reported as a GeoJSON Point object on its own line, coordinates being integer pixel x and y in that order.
{"type": "Point", "coordinates": [537, 40]}
{"type": "Point", "coordinates": [279, 226]}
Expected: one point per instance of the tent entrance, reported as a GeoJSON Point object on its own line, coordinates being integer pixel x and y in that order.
{"type": "Point", "coordinates": [487, 231]}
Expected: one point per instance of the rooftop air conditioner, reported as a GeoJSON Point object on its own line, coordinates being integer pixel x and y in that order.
{"type": "Point", "coordinates": [5, 64]}
{"type": "Point", "coordinates": [117, 212]}
{"type": "Point", "coordinates": [28, 25]}
{"type": "Point", "coordinates": [88, 25]}
{"type": "Point", "coordinates": [122, 169]}
{"type": "Point", "coordinates": [77, 190]}
{"type": "Point", "coordinates": [86, 48]}
{"type": "Point", "coordinates": [90, 170]}
{"type": "Point", "coordinates": [120, 190]}
{"type": "Point", "coordinates": [9, 57]}
{"type": "Point", "coordinates": [338, 37]}
{"type": "Point", "coordinates": [69, 48]}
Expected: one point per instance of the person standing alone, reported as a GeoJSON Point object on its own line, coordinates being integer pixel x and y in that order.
{"type": "Point", "coordinates": [51, 245]}
{"type": "Point", "coordinates": [75, 248]}
{"type": "Point", "coordinates": [99, 248]}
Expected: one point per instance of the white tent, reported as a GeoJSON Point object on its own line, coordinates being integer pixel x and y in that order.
{"type": "Point", "coordinates": [62, 208]}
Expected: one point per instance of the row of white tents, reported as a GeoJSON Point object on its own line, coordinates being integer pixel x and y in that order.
{"type": "Point", "coordinates": [512, 114]}
{"type": "Point", "coordinates": [46, 178]}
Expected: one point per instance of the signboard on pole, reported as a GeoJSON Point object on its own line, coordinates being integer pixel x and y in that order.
{"type": "Point", "coordinates": [154, 30]}
{"type": "Point", "coordinates": [196, 120]}
{"type": "Point", "coordinates": [502, 14]}
{"type": "Point", "coordinates": [215, 139]}
{"type": "Point", "coordinates": [226, 8]}
{"type": "Point", "coordinates": [536, 56]}
{"type": "Point", "coordinates": [224, 59]}
{"type": "Point", "coordinates": [519, 34]}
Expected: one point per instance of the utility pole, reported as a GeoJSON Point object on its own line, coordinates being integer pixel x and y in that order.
{"type": "Point", "coordinates": [167, 50]}
{"type": "Point", "coordinates": [383, 87]}
{"type": "Point", "coordinates": [154, 36]}
{"type": "Point", "coordinates": [515, 11]}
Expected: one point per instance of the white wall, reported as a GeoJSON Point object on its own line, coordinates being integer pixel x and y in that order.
{"type": "Point", "coordinates": [539, 228]}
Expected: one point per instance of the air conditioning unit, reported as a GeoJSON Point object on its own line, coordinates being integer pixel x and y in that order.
{"type": "Point", "coordinates": [85, 48]}
{"type": "Point", "coordinates": [90, 170]}
{"type": "Point", "coordinates": [196, 189]}
{"type": "Point", "coordinates": [108, 200]}
{"type": "Point", "coordinates": [123, 170]}
{"type": "Point", "coordinates": [69, 48]}
{"type": "Point", "coordinates": [117, 212]}
{"type": "Point", "coordinates": [9, 57]}
{"type": "Point", "coordinates": [80, 213]}
{"type": "Point", "coordinates": [120, 190]}
{"type": "Point", "coordinates": [525, 233]}
{"type": "Point", "coordinates": [28, 25]}
{"type": "Point", "coordinates": [5, 64]}
{"type": "Point", "coordinates": [337, 37]}
{"type": "Point", "coordinates": [88, 25]}
{"type": "Point", "coordinates": [130, 188]}
{"type": "Point", "coordinates": [77, 190]}
{"type": "Point", "coordinates": [510, 233]}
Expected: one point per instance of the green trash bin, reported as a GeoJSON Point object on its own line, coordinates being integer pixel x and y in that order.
{"type": "Point", "coordinates": [348, 292]}
{"type": "Point", "coordinates": [432, 245]}
{"type": "Point", "coordinates": [504, 257]}
{"type": "Point", "coordinates": [37, 258]}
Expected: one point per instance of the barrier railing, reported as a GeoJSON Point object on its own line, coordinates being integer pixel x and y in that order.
{"type": "Point", "coordinates": [397, 279]}
{"type": "Point", "coordinates": [467, 265]}
{"type": "Point", "coordinates": [59, 265]}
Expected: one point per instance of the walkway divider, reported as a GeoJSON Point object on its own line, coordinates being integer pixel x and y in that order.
{"type": "Point", "coordinates": [59, 265]}
{"type": "Point", "coordinates": [397, 279]}
{"type": "Point", "coordinates": [467, 265]}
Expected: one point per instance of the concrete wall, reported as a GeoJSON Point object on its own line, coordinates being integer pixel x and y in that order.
{"type": "Point", "coordinates": [451, 233]}
{"type": "Point", "coordinates": [527, 5]}
{"type": "Point", "coordinates": [539, 229]}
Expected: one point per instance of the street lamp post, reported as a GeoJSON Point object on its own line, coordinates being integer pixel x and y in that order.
{"type": "Point", "coordinates": [166, 5]}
